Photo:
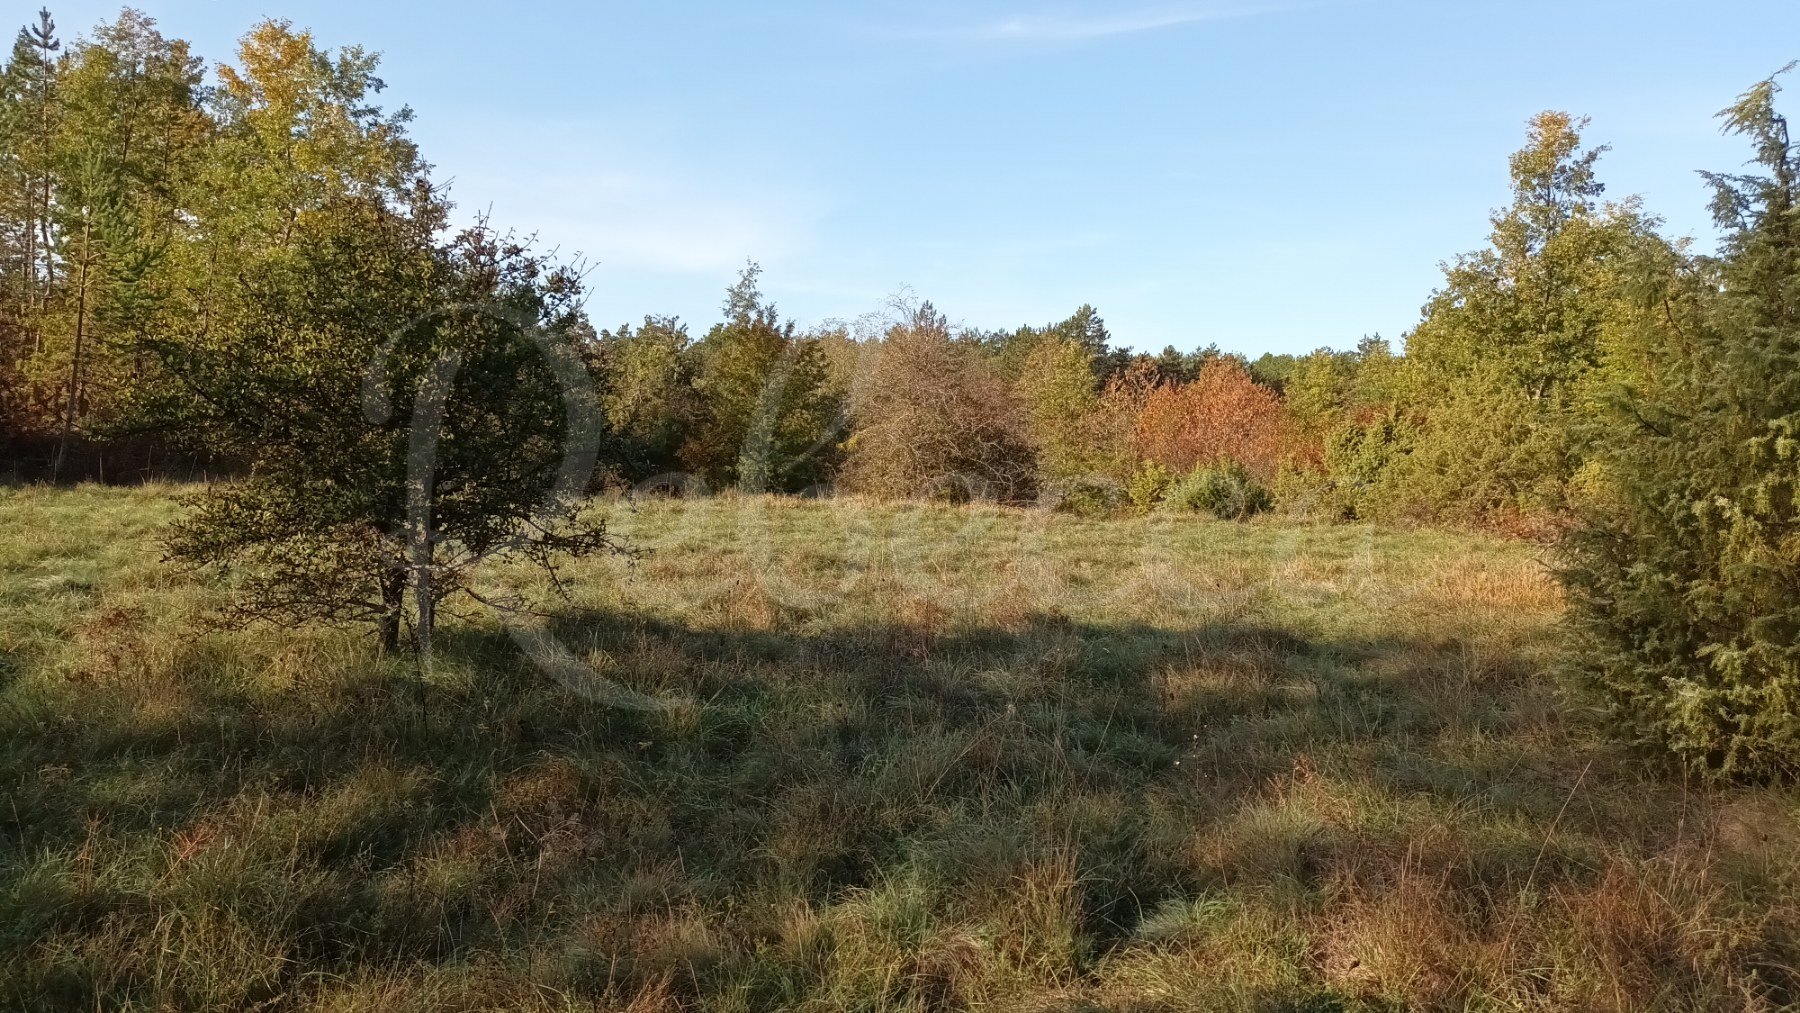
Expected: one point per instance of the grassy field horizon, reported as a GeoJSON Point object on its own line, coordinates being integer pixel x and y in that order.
{"type": "Point", "coordinates": [903, 757]}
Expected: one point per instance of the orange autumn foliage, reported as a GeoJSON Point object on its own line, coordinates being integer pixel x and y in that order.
{"type": "Point", "coordinates": [1222, 415]}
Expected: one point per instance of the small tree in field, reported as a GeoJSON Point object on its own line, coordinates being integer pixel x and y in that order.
{"type": "Point", "coordinates": [406, 407]}
{"type": "Point", "coordinates": [1684, 579]}
{"type": "Point", "coordinates": [935, 420]}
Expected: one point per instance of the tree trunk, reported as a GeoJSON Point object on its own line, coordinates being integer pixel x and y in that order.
{"type": "Point", "coordinates": [75, 356]}
{"type": "Point", "coordinates": [425, 603]}
{"type": "Point", "coordinates": [46, 243]}
{"type": "Point", "coordinates": [30, 274]}
{"type": "Point", "coordinates": [393, 605]}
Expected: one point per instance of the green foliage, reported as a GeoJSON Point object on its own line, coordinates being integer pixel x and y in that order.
{"type": "Point", "coordinates": [1360, 453]}
{"type": "Point", "coordinates": [298, 126]}
{"type": "Point", "coordinates": [1532, 303]}
{"type": "Point", "coordinates": [408, 409]}
{"type": "Point", "coordinates": [30, 114]}
{"type": "Point", "coordinates": [1304, 492]}
{"type": "Point", "coordinates": [1174, 366]}
{"type": "Point", "coordinates": [649, 398]}
{"type": "Point", "coordinates": [1087, 496]}
{"type": "Point", "coordinates": [1084, 329]}
{"type": "Point", "coordinates": [1226, 490]}
{"type": "Point", "coordinates": [1317, 388]}
{"type": "Point", "coordinates": [769, 418]}
{"type": "Point", "coordinates": [1499, 364]}
{"type": "Point", "coordinates": [99, 143]}
{"type": "Point", "coordinates": [1684, 577]}
{"type": "Point", "coordinates": [1273, 371]}
{"type": "Point", "coordinates": [138, 200]}
{"type": "Point", "coordinates": [1489, 454]}
{"type": "Point", "coordinates": [1063, 409]}
{"type": "Point", "coordinates": [1148, 485]}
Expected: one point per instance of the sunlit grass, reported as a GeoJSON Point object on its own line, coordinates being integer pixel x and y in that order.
{"type": "Point", "coordinates": [926, 758]}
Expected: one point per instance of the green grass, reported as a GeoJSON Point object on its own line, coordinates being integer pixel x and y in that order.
{"type": "Point", "coordinates": [923, 759]}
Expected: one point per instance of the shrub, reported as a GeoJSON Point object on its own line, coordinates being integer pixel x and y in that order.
{"type": "Point", "coordinates": [1149, 484]}
{"type": "Point", "coordinates": [1092, 496]}
{"type": "Point", "coordinates": [1227, 491]}
{"type": "Point", "coordinates": [1305, 493]}
{"type": "Point", "coordinates": [934, 421]}
{"type": "Point", "coordinates": [1359, 455]}
{"type": "Point", "coordinates": [1486, 454]}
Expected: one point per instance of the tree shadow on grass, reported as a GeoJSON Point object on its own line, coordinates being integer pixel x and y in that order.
{"type": "Point", "coordinates": [1044, 787]}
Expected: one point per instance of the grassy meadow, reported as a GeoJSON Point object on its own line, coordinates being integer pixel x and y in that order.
{"type": "Point", "coordinates": [910, 758]}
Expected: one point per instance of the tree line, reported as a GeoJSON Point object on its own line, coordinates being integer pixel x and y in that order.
{"type": "Point", "coordinates": [254, 266]}
{"type": "Point", "coordinates": [1485, 419]}
{"type": "Point", "coordinates": [143, 198]}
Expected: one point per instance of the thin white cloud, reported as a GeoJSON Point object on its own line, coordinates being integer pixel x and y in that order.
{"type": "Point", "coordinates": [1077, 26]}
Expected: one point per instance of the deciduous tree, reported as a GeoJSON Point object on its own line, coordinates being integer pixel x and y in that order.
{"type": "Point", "coordinates": [408, 409]}
{"type": "Point", "coordinates": [935, 419]}
{"type": "Point", "coordinates": [1223, 415]}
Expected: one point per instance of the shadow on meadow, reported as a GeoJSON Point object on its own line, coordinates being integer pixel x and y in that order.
{"type": "Point", "coordinates": [916, 816]}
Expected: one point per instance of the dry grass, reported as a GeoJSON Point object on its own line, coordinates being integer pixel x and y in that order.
{"type": "Point", "coordinates": [933, 759]}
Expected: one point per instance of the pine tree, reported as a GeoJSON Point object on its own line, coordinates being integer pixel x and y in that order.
{"type": "Point", "coordinates": [31, 99]}
{"type": "Point", "coordinates": [28, 123]}
{"type": "Point", "coordinates": [129, 129]}
{"type": "Point", "coordinates": [1684, 579]}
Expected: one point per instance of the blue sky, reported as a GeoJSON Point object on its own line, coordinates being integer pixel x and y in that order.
{"type": "Point", "coordinates": [1266, 175]}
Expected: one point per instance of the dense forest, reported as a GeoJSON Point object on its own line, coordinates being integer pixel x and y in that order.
{"type": "Point", "coordinates": [204, 268]}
